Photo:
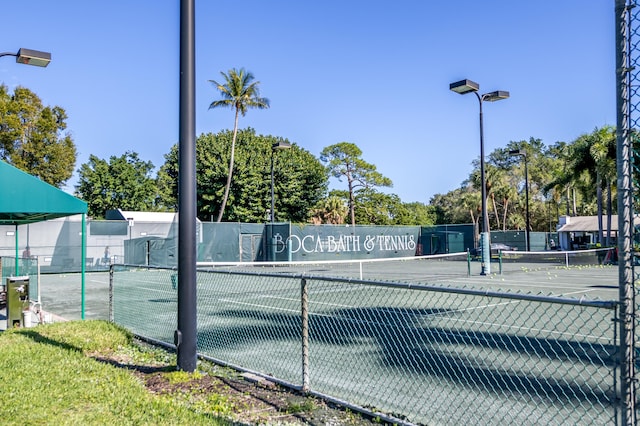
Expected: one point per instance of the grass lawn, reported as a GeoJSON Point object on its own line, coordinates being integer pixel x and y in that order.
{"type": "Point", "coordinates": [96, 373]}
{"type": "Point", "coordinates": [54, 375]}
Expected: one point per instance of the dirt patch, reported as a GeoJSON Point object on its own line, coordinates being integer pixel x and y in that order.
{"type": "Point", "coordinates": [244, 399]}
{"type": "Point", "coordinates": [255, 403]}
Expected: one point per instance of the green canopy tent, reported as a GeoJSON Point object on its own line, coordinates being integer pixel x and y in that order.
{"type": "Point", "coordinates": [26, 199]}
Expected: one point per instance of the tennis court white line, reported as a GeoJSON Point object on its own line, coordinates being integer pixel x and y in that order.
{"type": "Point", "coordinates": [255, 305]}
{"type": "Point", "coordinates": [297, 300]}
{"type": "Point", "coordinates": [552, 332]}
{"type": "Point", "coordinates": [156, 289]}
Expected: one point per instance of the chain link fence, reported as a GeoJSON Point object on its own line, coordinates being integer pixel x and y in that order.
{"type": "Point", "coordinates": [417, 353]}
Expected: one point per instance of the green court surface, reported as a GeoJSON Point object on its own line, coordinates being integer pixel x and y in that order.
{"type": "Point", "coordinates": [407, 350]}
{"type": "Point", "coordinates": [430, 354]}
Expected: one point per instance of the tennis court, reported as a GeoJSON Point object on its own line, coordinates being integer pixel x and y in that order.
{"type": "Point", "coordinates": [425, 338]}
{"type": "Point", "coordinates": [438, 355]}
{"type": "Point", "coordinates": [455, 352]}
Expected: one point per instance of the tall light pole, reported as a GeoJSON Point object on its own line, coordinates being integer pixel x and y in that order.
{"type": "Point", "coordinates": [39, 59]}
{"type": "Point", "coordinates": [463, 87]}
{"type": "Point", "coordinates": [186, 335]}
{"type": "Point", "coordinates": [272, 214]}
{"type": "Point", "coordinates": [275, 147]}
{"type": "Point", "coordinates": [30, 57]}
{"type": "Point", "coordinates": [523, 154]}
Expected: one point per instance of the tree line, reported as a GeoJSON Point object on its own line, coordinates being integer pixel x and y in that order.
{"type": "Point", "coordinates": [233, 172]}
{"type": "Point", "coordinates": [300, 184]}
{"type": "Point", "coordinates": [574, 179]}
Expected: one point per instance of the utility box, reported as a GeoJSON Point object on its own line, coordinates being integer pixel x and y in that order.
{"type": "Point", "coordinates": [17, 290]}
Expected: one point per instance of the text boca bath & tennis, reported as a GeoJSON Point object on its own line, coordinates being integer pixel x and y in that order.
{"type": "Point", "coordinates": [346, 243]}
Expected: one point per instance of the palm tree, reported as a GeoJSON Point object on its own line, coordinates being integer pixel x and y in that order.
{"type": "Point", "coordinates": [591, 164]}
{"type": "Point", "coordinates": [603, 152]}
{"type": "Point", "coordinates": [239, 92]}
{"type": "Point", "coordinates": [330, 210]}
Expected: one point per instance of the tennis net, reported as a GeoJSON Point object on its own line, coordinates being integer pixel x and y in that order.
{"type": "Point", "coordinates": [551, 259]}
{"type": "Point", "coordinates": [409, 269]}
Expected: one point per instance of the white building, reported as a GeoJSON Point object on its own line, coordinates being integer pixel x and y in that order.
{"type": "Point", "coordinates": [581, 232]}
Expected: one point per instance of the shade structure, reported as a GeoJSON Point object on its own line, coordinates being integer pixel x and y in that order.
{"type": "Point", "coordinates": [26, 199]}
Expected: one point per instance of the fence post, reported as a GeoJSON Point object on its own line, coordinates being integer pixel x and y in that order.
{"type": "Point", "coordinates": [111, 292]}
{"type": "Point", "coordinates": [304, 311]}
{"type": "Point", "coordinates": [625, 212]}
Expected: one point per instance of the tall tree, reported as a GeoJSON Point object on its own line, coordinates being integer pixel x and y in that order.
{"type": "Point", "coordinates": [510, 191]}
{"type": "Point", "coordinates": [590, 161]}
{"type": "Point", "coordinates": [603, 152]}
{"type": "Point", "coordinates": [505, 188]}
{"type": "Point", "coordinates": [240, 92]}
{"type": "Point", "coordinates": [300, 179]}
{"type": "Point", "coordinates": [414, 213]}
{"type": "Point", "coordinates": [123, 182]}
{"type": "Point", "coordinates": [377, 208]}
{"type": "Point", "coordinates": [344, 160]}
{"type": "Point", "coordinates": [461, 205]}
{"type": "Point", "coordinates": [32, 136]}
{"type": "Point", "coordinates": [560, 182]}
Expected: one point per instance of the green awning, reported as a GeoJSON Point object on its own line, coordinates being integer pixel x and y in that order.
{"type": "Point", "coordinates": [26, 199]}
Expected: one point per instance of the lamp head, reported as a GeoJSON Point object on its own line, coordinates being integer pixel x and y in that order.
{"type": "Point", "coordinates": [464, 86]}
{"type": "Point", "coordinates": [281, 145]}
{"type": "Point", "coordinates": [495, 96]}
{"type": "Point", "coordinates": [33, 57]}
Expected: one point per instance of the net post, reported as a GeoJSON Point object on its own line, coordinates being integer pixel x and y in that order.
{"type": "Point", "coordinates": [486, 253]}
{"type": "Point", "coordinates": [566, 259]}
{"type": "Point", "coordinates": [500, 262]}
{"type": "Point", "coordinates": [468, 263]}
{"type": "Point", "coordinates": [304, 312]}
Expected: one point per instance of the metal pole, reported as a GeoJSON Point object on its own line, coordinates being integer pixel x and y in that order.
{"type": "Point", "coordinates": [17, 263]}
{"type": "Point", "coordinates": [273, 202]}
{"type": "Point", "coordinates": [186, 334]}
{"type": "Point", "coordinates": [486, 259]}
{"type": "Point", "coordinates": [272, 249]}
{"type": "Point", "coordinates": [304, 312]}
{"type": "Point", "coordinates": [83, 252]}
{"type": "Point", "coordinates": [625, 215]}
{"type": "Point", "coordinates": [526, 200]}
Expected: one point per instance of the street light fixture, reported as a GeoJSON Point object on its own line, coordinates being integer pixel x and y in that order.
{"type": "Point", "coordinates": [463, 87]}
{"type": "Point", "coordinates": [523, 154]}
{"type": "Point", "coordinates": [30, 57]}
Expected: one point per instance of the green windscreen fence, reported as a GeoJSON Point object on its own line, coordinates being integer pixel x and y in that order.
{"type": "Point", "coordinates": [56, 244]}
{"type": "Point", "coordinates": [539, 241]}
{"type": "Point", "coordinates": [441, 239]}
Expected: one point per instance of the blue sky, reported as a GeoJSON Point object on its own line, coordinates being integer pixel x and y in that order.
{"type": "Point", "coordinates": [371, 72]}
